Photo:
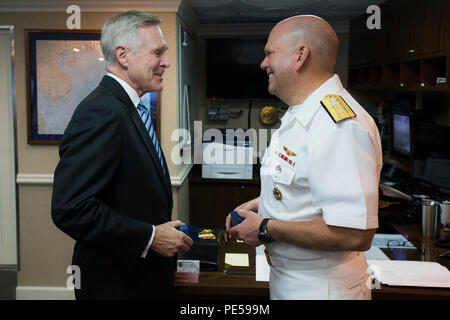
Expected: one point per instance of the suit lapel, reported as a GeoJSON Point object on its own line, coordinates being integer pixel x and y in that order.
{"type": "Point", "coordinates": [167, 175]}
{"type": "Point", "coordinates": [137, 121]}
{"type": "Point", "coordinates": [121, 94]}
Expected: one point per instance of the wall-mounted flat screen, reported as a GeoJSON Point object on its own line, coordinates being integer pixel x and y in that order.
{"type": "Point", "coordinates": [233, 69]}
{"type": "Point", "coordinates": [401, 135]}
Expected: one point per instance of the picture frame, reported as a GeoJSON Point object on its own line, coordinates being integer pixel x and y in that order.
{"type": "Point", "coordinates": [63, 67]}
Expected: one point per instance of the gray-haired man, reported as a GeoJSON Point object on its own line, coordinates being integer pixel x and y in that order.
{"type": "Point", "coordinates": [112, 190]}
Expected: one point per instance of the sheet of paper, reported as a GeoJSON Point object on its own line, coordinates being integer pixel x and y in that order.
{"type": "Point", "coordinates": [262, 268]}
{"type": "Point", "coordinates": [394, 193]}
{"type": "Point", "coordinates": [410, 273]}
{"type": "Point", "coordinates": [259, 250]}
{"type": "Point", "coordinates": [375, 253]}
{"type": "Point", "coordinates": [237, 259]}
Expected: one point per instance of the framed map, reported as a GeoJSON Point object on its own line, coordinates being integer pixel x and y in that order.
{"type": "Point", "coordinates": [63, 68]}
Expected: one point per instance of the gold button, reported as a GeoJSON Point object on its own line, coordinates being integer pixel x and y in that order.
{"type": "Point", "coordinates": [277, 194]}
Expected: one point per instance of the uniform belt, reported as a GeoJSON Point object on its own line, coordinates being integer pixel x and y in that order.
{"type": "Point", "coordinates": [316, 264]}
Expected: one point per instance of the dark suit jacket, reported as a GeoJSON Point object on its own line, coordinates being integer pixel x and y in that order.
{"type": "Point", "coordinates": [109, 188]}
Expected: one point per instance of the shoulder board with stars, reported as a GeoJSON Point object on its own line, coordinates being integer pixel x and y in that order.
{"type": "Point", "coordinates": [337, 108]}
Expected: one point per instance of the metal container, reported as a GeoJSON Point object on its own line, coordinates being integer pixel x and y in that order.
{"type": "Point", "coordinates": [430, 211]}
{"type": "Point", "coordinates": [445, 213]}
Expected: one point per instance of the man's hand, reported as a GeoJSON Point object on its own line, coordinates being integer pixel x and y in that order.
{"type": "Point", "coordinates": [248, 229]}
{"type": "Point", "coordinates": [252, 205]}
{"type": "Point", "coordinates": [168, 240]}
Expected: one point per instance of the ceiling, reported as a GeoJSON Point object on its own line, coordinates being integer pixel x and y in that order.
{"type": "Point", "coordinates": [266, 11]}
{"type": "Point", "coordinates": [214, 17]}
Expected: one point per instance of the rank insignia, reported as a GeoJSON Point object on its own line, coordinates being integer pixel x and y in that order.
{"type": "Point", "coordinates": [285, 158]}
{"type": "Point", "coordinates": [277, 194]}
{"type": "Point", "coordinates": [337, 108]}
{"type": "Point", "coordinates": [289, 152]}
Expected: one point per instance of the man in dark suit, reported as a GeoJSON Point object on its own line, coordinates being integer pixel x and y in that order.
{"type": "Point", "coordinates": [112, 190]}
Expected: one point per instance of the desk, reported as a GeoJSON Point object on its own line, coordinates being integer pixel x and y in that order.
{"type": "Point", "coordinates": [426, 251]}
{"type": "Point", "coordinates": [218, 285]}
{"type": "Point", "coordinates": [221, 286]}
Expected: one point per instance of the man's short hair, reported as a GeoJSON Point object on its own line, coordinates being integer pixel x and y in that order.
{"type": "Point", "coordinates": [123, 29]}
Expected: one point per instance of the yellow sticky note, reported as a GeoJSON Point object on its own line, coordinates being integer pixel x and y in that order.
{"type": "Point", "coordinates": [237, 259]}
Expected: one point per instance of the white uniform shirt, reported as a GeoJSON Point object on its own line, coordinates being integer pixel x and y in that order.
{"type": "Point", "coordinates": [334, 173]}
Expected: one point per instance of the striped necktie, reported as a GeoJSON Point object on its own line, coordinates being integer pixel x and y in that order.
{"type": "Point", "coordinates": [145, 116]}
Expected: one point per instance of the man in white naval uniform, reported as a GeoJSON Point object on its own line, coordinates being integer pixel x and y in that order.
{"type": "Point", "coordinates": [318, 207]}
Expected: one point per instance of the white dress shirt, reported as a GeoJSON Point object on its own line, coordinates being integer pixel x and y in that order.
{"type": "Point", "coordinates": [135, 99]}
{"type": "Point", "coordinates": [316, 168]}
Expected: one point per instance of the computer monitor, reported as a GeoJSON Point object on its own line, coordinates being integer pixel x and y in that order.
{"type": "Point", "coordinates": [401, 133]}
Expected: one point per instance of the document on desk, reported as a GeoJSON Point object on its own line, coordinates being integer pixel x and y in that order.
{"type": "Point", "coordinates": [410, 273]}
{"type": "Point", "coordinates": [237, 259]}
{"type": "Point", "coordinates": [261, 265]}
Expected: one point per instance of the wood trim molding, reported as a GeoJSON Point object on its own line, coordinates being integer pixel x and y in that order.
{"type": "Point", "coordinates": [47, 179]}
{"type": "Point", "coordinates": [44, 293]}
{"type": "Point", "coordinates": [89, 5]}
{"type": "Point", "coordinates": [34, 179]}
{"type": "Point", "coordinates": [177, 181]}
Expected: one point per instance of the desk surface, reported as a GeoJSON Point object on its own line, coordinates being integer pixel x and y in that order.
{"type": "Point", "coordinates": [426, 251]}
{"type": "Point", "coordinates": [221, 285]}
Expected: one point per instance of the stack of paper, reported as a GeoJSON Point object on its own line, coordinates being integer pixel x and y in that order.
{"type": "Point", "coordinates": [410, 273]}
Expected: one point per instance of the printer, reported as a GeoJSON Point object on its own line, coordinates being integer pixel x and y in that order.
{"type": "Point", "coordinates": [229, 157]}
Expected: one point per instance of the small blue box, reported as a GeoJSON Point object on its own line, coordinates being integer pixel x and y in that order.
{"type": "Point", "coordinates": [190, 231]}
{"type": "Point", "coordinates": [235, 219]}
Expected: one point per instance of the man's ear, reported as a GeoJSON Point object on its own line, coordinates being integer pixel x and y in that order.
{"type": "Point", "coordinates": [302, 54]}
{"type": "Point", "coordinates": [121, 55]}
